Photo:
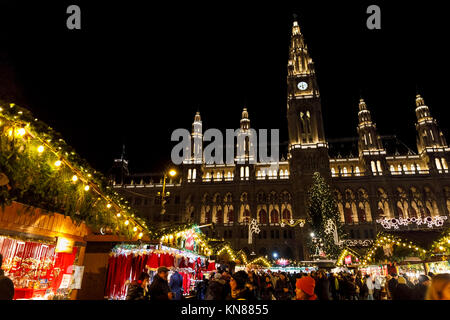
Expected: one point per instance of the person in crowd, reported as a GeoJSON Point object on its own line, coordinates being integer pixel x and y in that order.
{"type": "Point", "coordinates": [252, 284]}
{"type": "Point", "coordinates": [402, 291]}
{"type": "Point", "coordinates": [322, 286]}
{"type": "Point", "coordinates": [334, 286]}
{"type": "Point", "coordinates": [267, 290]}
{"type": "Point", "coordinates": [377, 287]}
{"type": "Point", "coordinates": [159, 289]}
{"type": "Point", "coordinates": [176, 285]}
{"type": "Point", "coordinates": [6, 284]}
{"type": "Point", "coordinates": [352, 290]}
{"type": "Point", "coordinates": [137, 290]}
{"type": "Point", "coordinates": [361, 289]}
{"type": "Point", "coordinates": [421, 288]}
{"type": "Point", "coordinates": [408, 281]}
{"type": "Point", "coordinates": [439, 288]}
{"type": "Point", "coordinates": [392, 285]}
{"type": "Point", "coordinates": [283, 289]}
{"type": "Point", "coordinates": [369, 284]}
{"type": "Point", "coordinates": [239, 291]}
{"type": "Point", "coordinates": [215, 288]}
{"type": "Point", "coordinates": [226, 287]}
{"type": "Point", "coordinates": [201, 287]}
{"type": "Point", "coordinates": [304, 289]}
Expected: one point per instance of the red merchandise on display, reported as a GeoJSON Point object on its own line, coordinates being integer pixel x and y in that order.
{"type": "Point", "coordinates": [34, 267]}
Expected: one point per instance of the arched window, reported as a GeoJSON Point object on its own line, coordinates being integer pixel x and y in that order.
{"type": "Point", "coordinates": [345, 171]}
{"type": "Point", "coordinates": [286, 214]}
{"type": "Point", "coordinates": [247, 172]}
{"type": "Point", "coordinates": [333, 172]}
{"type": "Point", "coordinates": [208, 216]}
{"type": "Point", "coordinates": [374, 168]}
{"type": "Point", "coordinates": [392, 169]}
{"type": "Point", "coordinates": [189, 174]}
{"type": "Point", "coordinates": [444, 163]}
{"type": "Point", "coordinates": [246, 215]}
{"type": "Point", "coordinates": [219, 216]}
{"type": "Point", "coordinates": [230, 215]}
{"type": "Point", "coordinates": [274, 216]}
{"type": "Point", "coordinates": [357, 171]}
{"type": "Point", "coordinates": [194, 174]}
{"type": "Point", "coordinates": [380, 171]}
{"type": "Point", "coordinates": [262, 216]}
{"type": "Point", "coordinates": [413, 168]}
{"type": "Point", "coordinates": [438, 164]}
{"type": "Point", "coordinates": [242, 172]}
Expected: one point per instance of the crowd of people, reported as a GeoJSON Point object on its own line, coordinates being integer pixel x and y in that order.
{"type": "Point", "coordinates": [316, 285]}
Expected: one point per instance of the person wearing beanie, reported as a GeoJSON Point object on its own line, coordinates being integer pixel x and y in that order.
{"type": "Point", "coordinates": [304, 289]}
{"type": "Point", "coordinates": [421, 288]}
{"type": "Point", "coordinates": [239, 291]}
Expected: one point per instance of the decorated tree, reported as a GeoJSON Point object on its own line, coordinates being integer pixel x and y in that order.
{"type": "Point", "coordinates": [323, 218]}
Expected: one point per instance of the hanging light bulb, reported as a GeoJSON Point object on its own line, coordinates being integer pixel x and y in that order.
{"type": "Point", "coordinates": [21, 132]}
{"type": "Point", "coordinates": [140, 235]}
{"type": "Point", "coordinates": [57, 163]}
{"type": "Point", "coordinates": [127, 222]}
{"type": "Point", "coordinates": [108, 205]}
{"type": "Point", "coordinates": [135, 229]}
{"type": "Point", "coordinates": [118, 215]}
{"type": "Point", "coordinates": [74, 178]}
{"type": "Point", "coordinates": [86, 188]}
{"type": "Point", "coordinates": [40, 149]}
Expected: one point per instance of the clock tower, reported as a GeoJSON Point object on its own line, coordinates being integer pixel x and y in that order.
{"type": "Point", "coordinates": [308, 150]}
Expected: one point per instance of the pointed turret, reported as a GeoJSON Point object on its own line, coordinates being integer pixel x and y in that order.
{"type": "Point", "coordinates": [197, 139]}
{"type": "Point", "coordinates": [428, 133]}
{"type": "Point", "coordinates": [369, 140]}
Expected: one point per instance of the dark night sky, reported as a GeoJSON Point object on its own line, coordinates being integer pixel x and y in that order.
{"type": "Point", "coordinates": [136, 72]}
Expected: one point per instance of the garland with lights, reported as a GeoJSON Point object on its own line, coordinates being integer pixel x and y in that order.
{"type": "Point", "coordinates": [261, 260]}
{"type": "Point", "coordinates": [173, 237]}
{"type": "Point", "coordinates": [441, 247]}
{"type": "Point", "coordinates": [322, 209]}
{"type": "Point", "coordinates": [396, 250]}
{"type": "Point", "coordinates": [39, 169]}
{"type": "Point", "coordinates": [345, 252]}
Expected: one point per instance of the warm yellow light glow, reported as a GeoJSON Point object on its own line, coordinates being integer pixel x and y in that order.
{"type": "Point", "coordinates": [64, 245]}
{"type": "Point", "coordinates": [118, 215]}
{"type": "Point", "coordinates": [108, 205]}
{"type": "Point", "coordinates": [57, 163]}
{"type": "Point", "coordinates": [127, 222]}
{"type": "Point", "coordinates": [135, 229]}
{"type": "Point", "coordinates": [86, 188]}
{"type": "Point", "coordinates": [172, 173]}
{"type": "Point", "coordinates": [74, 178]}
{"type": "Point", "coordinates": [40, 149]}
{"type": "Point", "coordinates": [441, 248]}
{"type": "Point", "coordinates": [21, 132]}
{"type": "Point", "coordinates": [140, 235]}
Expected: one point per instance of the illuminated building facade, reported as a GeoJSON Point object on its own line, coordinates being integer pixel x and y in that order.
{"type": "Point", "coordinates": [374, 184]}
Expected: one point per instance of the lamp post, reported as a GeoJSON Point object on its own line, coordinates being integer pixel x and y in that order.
{"type": "Point", "coordinates": [171, 173]}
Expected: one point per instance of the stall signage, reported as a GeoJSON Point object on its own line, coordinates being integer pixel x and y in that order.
{"type": "Point", "coordinates": [77, 277]}
{"type": "Point", "coordinates": [64, 245]}
{"type": "Point", "coordinates": [348, 259]}
{"type": "Point", "coordinates": [65, 282]}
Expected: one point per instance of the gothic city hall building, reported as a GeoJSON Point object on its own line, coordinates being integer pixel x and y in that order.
{"type": "Point", "coordinates": [378, 182]}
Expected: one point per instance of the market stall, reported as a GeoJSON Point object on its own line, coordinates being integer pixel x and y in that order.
{"type": "Point", "coordinates": [183, 252]}
{"type": "Point", "coordinates": [42, 253]}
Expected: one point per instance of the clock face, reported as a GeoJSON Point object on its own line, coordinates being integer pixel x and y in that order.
{"type": "Point", "coordinates": [302, 85]}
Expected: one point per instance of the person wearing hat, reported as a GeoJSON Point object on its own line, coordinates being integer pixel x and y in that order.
{"type": "Point", "coordinates": [402, 291]}
{"type": "Point", "coordinates": [304, 289]}
{"type": "Point", "coordinates": [421, 287]}
{"type": "Point", "coordinates": [239, 290]}
{"type": "Point", "coordinates": [159, 289]}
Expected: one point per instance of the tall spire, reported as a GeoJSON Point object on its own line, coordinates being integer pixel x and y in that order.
{"type": "Point", "coordinates": [197, 139]}
{"type": "Point", "coordinates": [245, 121]}
{"type": "Point", "coordinates": [429, 135]}
{"type": "Point", "coordinates": [300, 63]}
{"type": "Point", "coordinates": [369, 140]}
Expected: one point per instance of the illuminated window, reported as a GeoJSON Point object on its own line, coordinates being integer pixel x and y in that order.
{"type": "Point", "coordinates": [392, 169]}
{"type": "Point", "coordinates": [374, 168]}
{"type": "Point", "coordinates": [418, 167]}
{"type": "Point", "coordinates": [247, 172]}
{"type": "Point", "coordinates": [345, 171]}
{"type": "Point", "coordinates": [444, 163]}
{"type": "Point", "coordinates": [357, 171]}
{"type": "Point", "coordinates": [194, 174]}
{"type": "Point", "coordinates": [405, 168]}
{"type": "Point", "coordinates": [333, 172]}
{"type": "Point", "coordinates": [242, 172]}
{"type": "Point", "coordinates": [413, 168]}
{"type": "Point", "coordinates": [379, 166]}
{"type": "Point", "coordinates": [438, 164]}
{"type": "Point", "coordinates": [189, 174]}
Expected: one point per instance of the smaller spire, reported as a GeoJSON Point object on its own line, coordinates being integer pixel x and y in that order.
{"type": "Point", "coordinates": [362, 105]}
{"type": "Point", "coordinates": [244, 113]}
{"type": "Point", "coordinates": [197, 117]}
{"type": "Point", "coordinates": [419, 101]}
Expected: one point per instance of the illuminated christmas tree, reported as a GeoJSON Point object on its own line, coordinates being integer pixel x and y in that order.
{"type": "Point", "coordinates": [323, 218]}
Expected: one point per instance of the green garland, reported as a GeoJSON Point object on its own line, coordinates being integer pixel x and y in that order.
{"type": "Point", "coordinates": [35, 180]}
{"type": "Point", "coordinates": [321, 207]}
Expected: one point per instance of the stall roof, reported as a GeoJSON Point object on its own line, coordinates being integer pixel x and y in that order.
{"type": "Point", "coordinates": [422, 238]}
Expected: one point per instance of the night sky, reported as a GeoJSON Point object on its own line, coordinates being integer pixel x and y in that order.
{"type": "Point", "coordinates": [135, 72]}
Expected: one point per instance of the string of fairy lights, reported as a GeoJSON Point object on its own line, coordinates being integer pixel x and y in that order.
{"type": "Point", "coordinates": [171, 239]}
{"type": "Point", "coordinates": [17, 128]}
